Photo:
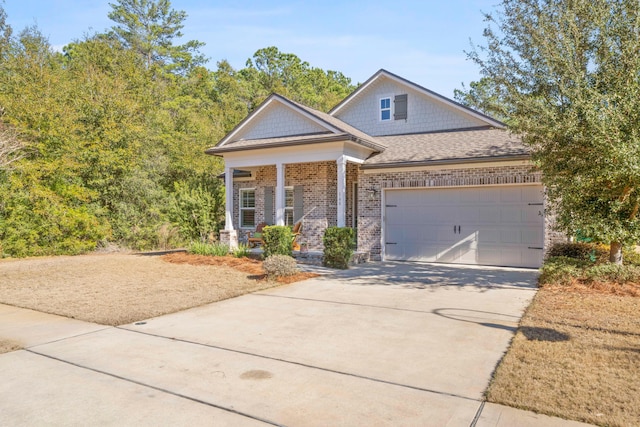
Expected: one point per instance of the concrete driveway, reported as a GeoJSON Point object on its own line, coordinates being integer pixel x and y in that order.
{"type": "Point", "coordinates": [381, 344]}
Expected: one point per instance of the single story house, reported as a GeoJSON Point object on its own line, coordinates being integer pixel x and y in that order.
{"type": "Point", "coordinates": [419, 176]}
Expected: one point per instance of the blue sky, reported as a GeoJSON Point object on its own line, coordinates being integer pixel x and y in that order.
{"type": "Point", "coordinates": [423, 41]}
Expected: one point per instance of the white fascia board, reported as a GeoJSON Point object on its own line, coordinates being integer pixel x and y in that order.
{"type": "Point", "coordinates": [475, 165]}
{"type": "Point", "coordinates": [330, 151]}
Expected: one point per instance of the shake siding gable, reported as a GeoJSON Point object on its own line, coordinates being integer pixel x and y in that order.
{"type": "Point", "coordinates": [424, 114]}
{"type": "Point", "coordinates": [278, 121]}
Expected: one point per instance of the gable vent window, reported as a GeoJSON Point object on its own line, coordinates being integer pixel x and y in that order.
{"type": "Point", "coordinates": [385, 109]}
{"type": "Point", "coordinates": [400, 107]}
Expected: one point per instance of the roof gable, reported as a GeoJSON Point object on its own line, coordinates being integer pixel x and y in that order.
{"type": "Point", "coordinates": [277, 117]}
{"type": "Point", "coordinates": [427, 110]}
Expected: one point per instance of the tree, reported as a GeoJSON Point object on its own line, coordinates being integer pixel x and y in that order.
{"type": "Point", "coordinates": [5, 33]}
{"type": "Point", "coordinates": [150, 27]}
{"type": "Point", "coordinates": [11, 148]}
{"type": "Point", "coordinates": [569, 70]}
{"type": "Point", "coordinates": [273, 71]}
{"type": "Point", "coordinates": [483, 96]}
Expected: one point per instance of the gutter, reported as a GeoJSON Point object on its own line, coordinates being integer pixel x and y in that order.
{"type": "Point", "coordinates": [214, 151]}
{"type": "Point", "coordinates": [444, 162]}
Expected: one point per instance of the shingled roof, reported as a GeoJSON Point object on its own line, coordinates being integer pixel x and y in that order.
{"type": "Point", "coordinates": [459, 146]}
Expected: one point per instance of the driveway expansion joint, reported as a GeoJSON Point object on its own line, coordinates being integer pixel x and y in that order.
{"type": "Point", "coordinates": [160, 389]}
{"type": "Point", "coordinates": [478, 413]}
{"type": "Point", "coordinates": [69, 337]}
{"type": "Point", "coordinates": [276, 359]}
{"type": "Point", "coordinates": [355, 304]}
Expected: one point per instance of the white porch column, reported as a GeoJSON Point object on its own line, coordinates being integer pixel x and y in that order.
{"type": "Point", "coordinates": [228, 236]}
{"type": "Point", "coordinates": [280, 194]}
{"type": "Point", "coordinates": [342, 190]}
{"type": "Point", "coordinates": [228, 187]}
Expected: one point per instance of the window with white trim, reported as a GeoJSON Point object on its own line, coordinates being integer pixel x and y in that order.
{"type": "Point", "coordinates": [288, 206]}
{"type": "Point", "coordinates": [385, 109]}
{"type": "Point", "coordinates": [247, 208]}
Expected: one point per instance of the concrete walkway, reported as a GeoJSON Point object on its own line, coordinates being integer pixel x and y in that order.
{"type": "Point", "coordinates": [381, 344]}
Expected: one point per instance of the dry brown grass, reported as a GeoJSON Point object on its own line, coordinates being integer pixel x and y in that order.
{"type": "Point", "coordinates": [576, 355]}
{"type": "Point", "coordinates": [9, 345]}
{"type": "Point", "coordinates": [116, 289]}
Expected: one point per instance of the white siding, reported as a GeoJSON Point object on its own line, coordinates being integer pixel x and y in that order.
{"type": "Point", "coordinates": [278, 121]}
{"type": "Point", "coordinates": [424, 114]}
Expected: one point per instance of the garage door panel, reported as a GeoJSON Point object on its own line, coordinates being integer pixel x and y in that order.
{"type": "Point", "coordinates": [479, 225]}
{"type": "Point", "coordinates": [531, 236]}
{"type": "Point", "coordinates": [512, 194]}
{"type": "Point", "coordinates": [468, 216]}
{"type": "Point", "coordinates": [488, 214]}
{"type": "Point", "coordinates": [511, 214]}
{"type": "Point", "coordinates": [532, 214]}
{"type": "Point", "coordinates": [510, 236]}
{"type": "Point", "coordinates": [489, 235]}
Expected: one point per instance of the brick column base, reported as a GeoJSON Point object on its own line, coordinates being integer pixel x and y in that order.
{"type": "Point", "coordinates": [229, 237]}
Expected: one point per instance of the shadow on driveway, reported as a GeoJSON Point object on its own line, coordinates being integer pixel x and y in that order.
{"type": "Point", "coordinates": [416, 275]}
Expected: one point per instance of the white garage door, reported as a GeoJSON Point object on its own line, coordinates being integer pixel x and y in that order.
{"type": "Point", "coordinates": [480, 225]}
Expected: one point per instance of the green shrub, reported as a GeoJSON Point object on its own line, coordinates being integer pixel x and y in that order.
{"type": "Point", "coordinates": [279, 266]}
{"type": "Point", "coordinates": [630, 256]}
{"type": "Point", "coordinates": [581, 251]}
{"type": "Point", "coordinates": [277, 240]}
{"type": "Point", "coordinates": [241, 251]}
{"type": "Point", "coordinates": [612, 273]}
{"type": "Point", "coordinates": [339, 243]}
{"type": "Point", "coordinates": [561, 270]}
{"type": "Point", "coordinates": [212, 249]}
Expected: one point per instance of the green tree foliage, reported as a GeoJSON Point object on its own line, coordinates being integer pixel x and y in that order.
{"type": "Point", "coordinates": [106, 140]}
{"type": "Point", "coordinates": [273, 71]}
{"type": "Point", "coordinates": [569, 70]}
{"type": "Point", "coordinates": [483, 96]}
{"type": "Point", "coordinates": [149, 28]}
{"type": "Point", "coordinates": [196, 208]}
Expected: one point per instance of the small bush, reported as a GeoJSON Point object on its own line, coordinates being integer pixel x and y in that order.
{"type": "Point", "coordinates": [280, 266]}
{"type": "Point", "coordinates": [339, 243]}
{"type": "Point", "coordinates": [241, 251]}
{"type": "Point", "coordinates": [277, 240]}
{"type": "Point", "coordinates": [561, 270]}
{"type": "Point", "coordinates": [619, 274]}
{"type": "Point", "coordinates": [630, 256]}
{"type": "Point", "coordinates": [582, 251]}
{"type": "Point", "coordinates": [211, 249]}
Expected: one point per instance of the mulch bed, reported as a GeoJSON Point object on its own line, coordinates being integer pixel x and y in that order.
{"type": "Point", "coordinates": [246, 265]}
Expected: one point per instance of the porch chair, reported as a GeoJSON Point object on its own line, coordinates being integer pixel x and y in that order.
{"type": "Point", "coordinates": [255, 237]}
{"type": "Point", "coordinates": [296, 231]}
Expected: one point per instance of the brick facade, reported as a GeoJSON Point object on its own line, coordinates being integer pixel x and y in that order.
{"type": "Point", "coordinates": [320, 192]}
{"type": "Point", "coordinates": [370, 202]}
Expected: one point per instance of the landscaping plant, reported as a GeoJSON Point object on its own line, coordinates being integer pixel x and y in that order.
{"type": "Point", "coordinates": [212, 249]}
{"type": "Point", "coordinates": [339, 244]}
{"type": "Point", "coordinates": [241, 251]}
{"type": "Point", "coordinates": [280, 266]}
{"type": "Point", "coordinates": [277, 240]}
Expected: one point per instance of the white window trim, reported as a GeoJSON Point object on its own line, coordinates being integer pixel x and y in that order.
{"type": "Point", "coordinates": [379, 108]}
{"type": "Point", "coordinates": [240, 208]}
{"type": "Point", "coordinates": [287, 208]}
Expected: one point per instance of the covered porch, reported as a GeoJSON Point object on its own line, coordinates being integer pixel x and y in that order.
{"type": "Point", "coordinates": [320, 194]}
